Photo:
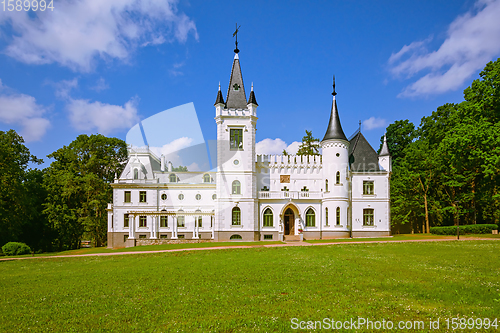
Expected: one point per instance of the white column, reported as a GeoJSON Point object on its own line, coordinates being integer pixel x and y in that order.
{"type": "Point", "coordinates": [174, 227]}
{"type": "Point", "coordinates": [212, 223]}
{"type": "Point", "coordinates": [297, 225]}
{"type": "Point", "coordinates": [111, 226]}
{"type": "Point", "coordinates": [195, 236]}
{"type": "Point", "coordinates": [154, 218]}
{"type": "Point", "coordinates": [131, 226]}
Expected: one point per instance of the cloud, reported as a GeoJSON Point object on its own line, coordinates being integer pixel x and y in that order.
{"type": "Point", "coordinates": [78, 32]}
{"type": "Point", "coordinates": [1, 86]}
{"type": "Point", "coordinates": [275, 147]}
{"type": "Point", "coordinates": [20, 109]}
{"type": "Point", "coordinates": [471, 42]}
{"type": "Point", "coordinates": [372, 123]}
{"type": "Point", "coordinates": [100, 85]}
{"type": "Point", "coordinates": [172, 147]}
{"type": "Point", "coordinates": [64, 87]}
{"type": "Point", "coordinates": [104, 118]}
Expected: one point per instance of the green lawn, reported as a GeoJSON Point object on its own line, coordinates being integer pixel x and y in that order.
{"type": "Point", "coordinates": [251, 290]}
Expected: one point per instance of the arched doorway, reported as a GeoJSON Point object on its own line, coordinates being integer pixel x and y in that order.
{"type": "Point", "coordinates": [289, 222]}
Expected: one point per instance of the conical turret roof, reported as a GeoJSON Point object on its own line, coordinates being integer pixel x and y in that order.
{"type": "Point", "coordinates": [385, 150]}
{"type": "Point", "coordinates": [219, 99]}
{"type": "Point", "coordinates": [236, 97]}
{"type": "Point", "coordinates": [251, 99]}
{"type": "Point", "coordinates": [334, 131]}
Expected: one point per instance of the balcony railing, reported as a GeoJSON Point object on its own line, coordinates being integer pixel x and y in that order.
{"type": "Point", "coordinates": [289, 195]}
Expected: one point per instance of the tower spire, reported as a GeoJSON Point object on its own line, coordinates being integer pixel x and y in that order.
{"type": "Point", "coordinates": [334, 130]}
{"type": "Point", "coordinates": [385, 150]}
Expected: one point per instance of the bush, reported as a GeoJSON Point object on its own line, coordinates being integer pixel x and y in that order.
{"type": "Point", "coordinates": [464, 229]}
{"type": "Point", "coordinates": [15, 248]}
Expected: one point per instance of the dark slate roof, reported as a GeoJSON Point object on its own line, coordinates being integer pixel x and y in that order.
{"type": "Point", "coordinates": [362, 157]}
{"type": "Point", "coordinates": [236, 97]}
{"type": "Point", "coordinates": [251, 99]}
{"type": "Point", "coordinates": [334, 130]}
{"type": "Point", "coordinates": [385, 150]}
{"type": "Point", "coordinates": [220, 99]}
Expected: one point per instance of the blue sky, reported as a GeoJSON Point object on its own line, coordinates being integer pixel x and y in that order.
{"type": "Point", "coordinates": [92, 66]}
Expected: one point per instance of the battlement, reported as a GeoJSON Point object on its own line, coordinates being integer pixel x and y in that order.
{"type": "Point", "coordinates": [298, 160]}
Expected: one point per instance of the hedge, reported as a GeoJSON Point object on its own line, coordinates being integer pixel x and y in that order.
{"type": "Point", "coordinates": [464, 229]}
{"type": "Point", "coordinates": [15, 248]}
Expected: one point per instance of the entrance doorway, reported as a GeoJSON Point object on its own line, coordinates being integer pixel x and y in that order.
{"type": "Point", "coordinates": [289, 222]}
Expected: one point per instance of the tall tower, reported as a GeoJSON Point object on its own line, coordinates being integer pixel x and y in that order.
{"type": "Point", "coordinates": [236, 209]}
{"type": "Point", "coordinates": [335, 148]}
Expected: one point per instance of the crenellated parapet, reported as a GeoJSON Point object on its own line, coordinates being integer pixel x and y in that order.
{"type": "Point", "coordinates": [290, 162]}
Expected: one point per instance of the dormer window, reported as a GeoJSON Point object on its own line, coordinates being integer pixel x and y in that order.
{"type": "Point", "coordinates": [136, 174]}
{"type": "Point", "coordinates": [173, 178]}
{"type": "Point", "coordinates": [206, 178]}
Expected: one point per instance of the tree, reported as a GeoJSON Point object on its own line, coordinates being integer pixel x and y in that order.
{"type": "Point", "coordinates": [180, 168]}
{"type": "Point", "coordinates": [400, 135]}
{"type": "Point", "coordinates": [285, 153]}
{"type": "Point", "coordinates": [77, 184]}
{"type": "Point", "coordinates": [14, 160]}
{"type": "Point", "coordinates": [309, 145]}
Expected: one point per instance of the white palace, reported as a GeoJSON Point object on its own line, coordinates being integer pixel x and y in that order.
{"type": "Point", "coordinates": [342, 193]}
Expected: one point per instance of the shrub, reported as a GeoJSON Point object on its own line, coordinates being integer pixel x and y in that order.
{"type": "Point", "coordinates": [464, 229]}
{"type": "Point", "coordinates": [15, 248]}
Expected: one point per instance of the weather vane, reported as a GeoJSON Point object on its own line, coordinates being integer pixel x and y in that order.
{"type": "Point", "coordinates": [235, 34]}
{"type": "Point", "coordinates": [334, 93]}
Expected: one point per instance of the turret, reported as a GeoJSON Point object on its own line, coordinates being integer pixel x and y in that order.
{"type": "Point", "coordinates": [384, 158]}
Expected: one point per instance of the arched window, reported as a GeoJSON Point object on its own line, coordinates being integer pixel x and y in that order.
{"type": "Point", "coordinates": [206, 178]}
{"type": "Point", "coordinates": [136, 174]}
{"type": "Point", "coordinates": [338, 216]}
{"type": "Point", "coordinates": [326, 217]}
{"type": "Point", "coordinates": [268, 218]}
{"type": "Point", "coordinates": [236, 216]}
{"type": "Point", "coordinates": [326, 185]}
{"type": "Point", "coordinates": [236, 237]}
{"type": "Point", "coordinates": [173, 178]}
{"type": "Point", "coordinates": [236, 187]}
{"type": "Point", "coordinates": [310, 218]}
{"type": "Point", "coordinates": [337, 178]}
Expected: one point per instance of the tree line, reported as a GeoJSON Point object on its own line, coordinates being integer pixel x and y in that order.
{"type": "Point", "coordinates": [55, 208]}
{"type": "Point", "coordinates": [446, 171]}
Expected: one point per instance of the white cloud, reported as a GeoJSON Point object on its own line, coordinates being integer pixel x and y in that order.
{"type": "Point", "coordinates": [471, 42]}
{"type": "Point", "coordinates": [100, 85]}
{"type": "Point", "coordinates": [20, 109]}
{"type": "Point", "coordinates": [105, 118]}
{"type": "Point", "coordinates": [79, 31]}
{"type": "Point", "coordinates": [172, 147]}
{"type": "Point", "coordinates": [64, 87]}
{"type": "Point", "coordinates": [372, 123]}
{"type": "Point", "coordinates": [275, 147]}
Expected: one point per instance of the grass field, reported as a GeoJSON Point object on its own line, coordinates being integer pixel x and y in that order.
{"type": "Point", "coordinates": [251, 290]}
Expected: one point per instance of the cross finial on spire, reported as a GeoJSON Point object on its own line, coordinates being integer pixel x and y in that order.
{"type": "Point", "coordinates": [235, 34]}
{"type": "Point", "coordinates": [219, 85]}
{"type": "Point", "coordinates": [360, 125]}
{"type": "Point", "coordinates": [334, 93]}
{"type": "Point", "coordinates": [252, 86]}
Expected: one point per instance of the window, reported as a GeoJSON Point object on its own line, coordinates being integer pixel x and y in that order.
{"type": "Point", "coordinates": [125, 220]}
{"type": "Point", "coordinates": [180, 222]}
{"type": "Point", "coordinates": [173, 178]}
{"type": "Point", "coordinates": [163, 236]}
{"type": "Point", "coordinates": [214, 196]}
{"type": "Point", "coordinates": [142, 236]}
{"type": "Point", "coordinates": [125, 237]}
{"type": "Point", "coordinates": [163, 196]}
{"type": "Point", "coordinates": [206, 178]}
{"type": "Point", "coordinates": [236, 187]}
{"type": "Point", "coordinates": [268, 218]}
{"type": "Point", "coordinates": [326, 185]}
{"type": "Point", "coordinates": [337, 178]}
{"type": "Point", "coordinates": [236, 216]}
{"type": "Point", "coordinates": [337, 218]}
{"type": "Point", "coordinates": [142, 196]}
{"type": "Point", "coordinates": [127, 197]}
{"type": "Point", "coordinates": [181, 196]}
{"type": "Point", "coordinates": [200, 221]}
{"type": "Point", "coordinates": [180, 236]}
{"type": "Point", "coordinates": [136, 174]}
{"type": "Point", "coordinates": [236, 237]}
{"type": "Point", "coordinates": [326, 217]}
{"type": "Point", "coordinates": [268, 237]}
{"type": "Point", "coordinates": [310, 218]}
{"type": "Point", "coordinates": [164, 221]}
{"type": "Point", "coordinates": [236, 139]}
{"type": "Point", "coordinates": [368, 187]}
{"type": "Point", "coordinates": [198, 197]}
{"type": "Point", "coordinates": [143, 221]}
{"type": "Point", "coordinates": [368, 216]}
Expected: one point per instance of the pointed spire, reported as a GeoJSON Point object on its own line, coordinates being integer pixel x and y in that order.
{"type": "Point", "coordinates": [334, 131]}
{"type": "Point", "coordinates": [236, 97]}
{"type": "Point", "coordinates": [219, 99]}
{"type": "Point", "coordinates": [385, 150]}
{"type": "Point", "coordinates": [251, 99]}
